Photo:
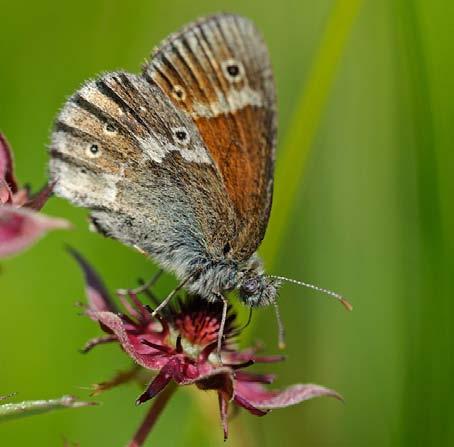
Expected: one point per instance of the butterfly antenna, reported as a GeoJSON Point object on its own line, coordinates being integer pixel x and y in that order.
{"type": "Point", "coordinates": [335, 295]}
{"type": "Point", "coordinates": [280, 327]}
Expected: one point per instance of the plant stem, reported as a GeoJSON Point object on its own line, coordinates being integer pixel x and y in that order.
{"type": "Point", "coordinates": [152, 416]}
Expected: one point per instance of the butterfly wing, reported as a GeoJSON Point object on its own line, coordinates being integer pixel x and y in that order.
{"type": "Point", "coordinates": [122, 149]}
{"type": "Point", "coordinates": [217, 70]}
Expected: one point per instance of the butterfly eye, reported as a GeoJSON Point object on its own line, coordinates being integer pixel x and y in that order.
{"type": "Point", "coordinates": [110, 128]}
{"type": "Point", "coordinates": [181, 135]}
{"type": "Point", "coordinates": [178, 93]}
{"type": "Point", "coordinates": [233, 70]}
{"type": "Point", "coordinates": [250, 286]}
{"type": "Point", "coordinates": [93, 151]}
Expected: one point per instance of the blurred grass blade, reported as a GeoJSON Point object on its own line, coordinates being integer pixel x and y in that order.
{"type": "Point", "coordinates": [33, 407]}
{"type": "Point", "coordinates": [428, 354]}
{"type": "Point", "coordinates": [298, 141]}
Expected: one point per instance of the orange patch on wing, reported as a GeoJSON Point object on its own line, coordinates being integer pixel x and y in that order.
{"type": "Point", "coordinates": [238, 146]}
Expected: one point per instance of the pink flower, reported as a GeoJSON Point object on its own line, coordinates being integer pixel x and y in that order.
{"type": "Point", "coordinates": [20, 222]}
{"type": "Point", "coordinates": [180, 347]}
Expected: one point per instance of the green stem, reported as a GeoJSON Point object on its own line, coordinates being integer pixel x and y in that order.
{"type": "Point", "coordinates": [32, 407]}
{"type": "Point", "coordinates": [152, 416]}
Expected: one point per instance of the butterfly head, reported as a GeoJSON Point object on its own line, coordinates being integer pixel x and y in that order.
{"type": "Point", "coordinates": [257, 289]}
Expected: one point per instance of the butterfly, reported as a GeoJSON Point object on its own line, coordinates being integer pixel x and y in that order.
{"type": "Point", "coordinates": [178, 161]}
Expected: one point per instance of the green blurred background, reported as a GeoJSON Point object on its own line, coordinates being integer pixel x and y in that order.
{"type": "Point", "coordinates": [363, 205]}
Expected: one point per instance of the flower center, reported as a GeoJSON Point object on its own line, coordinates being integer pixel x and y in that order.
{"type": "Point", "coordinates": [190, 349]}
{"type": "Point", "coordinates": [198, 329]}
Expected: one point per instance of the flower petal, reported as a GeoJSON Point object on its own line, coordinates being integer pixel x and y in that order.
{"type": "Point", "coordinates": [242, 402]}
{"type": "Point", "coordinates": [252, 377]}
{"type": "Point", "coordinates": [220, 379]}
{"type": "Point", "coordinates": [6, 164]}
{"type": "Point", "coordinates": [38, 200]}
{"type": "Point", "coordinates": [261, 398]}
{"type": "Point", "coordinates": [98, 341]}
{"type": "Point", "coordinates": [120, 378]}
{"type": "Point", "coordinates": [5, 192]}
{"type": "Point", "coordinates": [19, 228]}
{"type": "Point", "coordinates": [140, 349]}
{"type": "Point", "coordinates": [132, 345]}
{"type": "Point", "coordinates": [97, 295]}
{"type": "Point", "coordinates": [158, 383]}
{"type": "Point", "coordinates": [250, 354]}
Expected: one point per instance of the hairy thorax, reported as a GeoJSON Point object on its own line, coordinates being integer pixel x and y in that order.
{"type": "Point", "coordinates": [211, 279]}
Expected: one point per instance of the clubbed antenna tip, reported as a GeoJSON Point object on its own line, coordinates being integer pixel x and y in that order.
{"type": "Point", "coordinates": [280, 325]}
{"type": "Point", "coordinates": [346, 304]}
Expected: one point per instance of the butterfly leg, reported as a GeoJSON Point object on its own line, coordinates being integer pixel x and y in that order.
{"type": "Point", "coordinates": [222, 325]}
{"type": "Point", "coordinates": [143, 287]}
{"type": "Point", "coordinates": [169, 297]}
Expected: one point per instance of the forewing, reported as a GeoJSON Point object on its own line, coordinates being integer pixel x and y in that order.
{"type": "Point", "coordinates": [218, 71]}
{"type": "Point", "coordinates": [122, 149]}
